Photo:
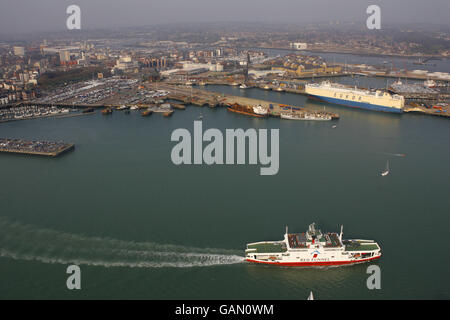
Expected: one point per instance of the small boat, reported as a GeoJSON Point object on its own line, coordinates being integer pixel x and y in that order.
{"type": "Point", "coordinates": [430, 83]}
{"type": "Point", "coordinates": [178, 106]}
{"type": "Point", "coordinates": [168, 113]}
{"type": "Point", "coordinates": [305, 116]}
{"type": "Point", "coordinates": [311, 296]}
{"type": "Point", "coordinates": [88, 110]}
{"type": "Point", "coordinates": [107, 111]}
{"type": "Point", "coordinates": [386, 172]}
{"type": "Point", "coordinates": [334, 127]}
{"type": "Point", "coordinates": [200, 117]}
{"type": "Point", "coordinates": [243, 86]}
{"type": "Point", "coordinates": [261, 110]}
{"type": "Point", "coordinates": [146, 113]}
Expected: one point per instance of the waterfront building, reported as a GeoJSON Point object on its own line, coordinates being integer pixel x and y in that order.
{"type": "Point", "coordinates": [299, 45]}
{"type": "Point", "coordinates": [126, 64]}
{"type": "Point", "coordinates": [19, 51]}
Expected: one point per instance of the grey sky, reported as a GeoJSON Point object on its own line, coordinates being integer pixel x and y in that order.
{"type": "Point", "coordinates": [24, 16]}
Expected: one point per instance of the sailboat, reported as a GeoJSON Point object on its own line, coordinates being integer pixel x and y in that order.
{"type": "Point", "coordinates": [386, 172]}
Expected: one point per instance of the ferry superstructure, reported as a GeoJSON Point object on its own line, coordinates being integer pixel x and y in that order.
{"type": "Point", "coordinates": [312, 248]}
{"type": "Point", "coordinates": [355, 97]}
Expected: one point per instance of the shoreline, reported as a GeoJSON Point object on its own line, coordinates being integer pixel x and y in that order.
{"type": "Point", "coordinates": [396, 55]}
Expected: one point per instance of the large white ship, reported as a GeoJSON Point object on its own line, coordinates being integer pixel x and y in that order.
{"type": "Point", "coordinates": [355, 97]}
{"type": "Point", "coordinates": [312, 248]}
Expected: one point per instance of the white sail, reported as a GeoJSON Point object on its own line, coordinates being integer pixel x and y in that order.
{"type": "Point", "coordinates": [386, 172]}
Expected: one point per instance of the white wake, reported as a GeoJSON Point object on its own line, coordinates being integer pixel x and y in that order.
{"type": "Point", "coordinates": [26, 242]}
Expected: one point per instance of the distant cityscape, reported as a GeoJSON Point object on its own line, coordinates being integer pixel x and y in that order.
{"type": "Point", "coordinates": [35, 67]}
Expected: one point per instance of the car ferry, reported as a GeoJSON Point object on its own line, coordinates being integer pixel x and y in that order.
{"type": "Point", "coordinates": [312, 248]}
{"type": "Point", "coordinates": [354, 97]}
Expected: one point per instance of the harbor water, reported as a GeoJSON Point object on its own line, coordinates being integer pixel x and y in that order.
{"type": "Point", "coordinates": [141, 227]}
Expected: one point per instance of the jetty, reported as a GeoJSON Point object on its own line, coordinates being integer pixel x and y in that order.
{"type": "Point", "coordinates": [35, 147]}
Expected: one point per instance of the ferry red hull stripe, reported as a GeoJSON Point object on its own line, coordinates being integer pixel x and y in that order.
{"type": "Point", "coordinates": [308, 264]}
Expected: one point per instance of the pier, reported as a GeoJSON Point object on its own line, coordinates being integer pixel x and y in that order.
{"type": "Point", "coordinates": [34, 147]}
{"type": "Point", "coordinates": [201, 97]}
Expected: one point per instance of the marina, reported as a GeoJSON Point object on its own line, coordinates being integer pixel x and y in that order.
{"type": "Point", "coordinates": [25, 112]}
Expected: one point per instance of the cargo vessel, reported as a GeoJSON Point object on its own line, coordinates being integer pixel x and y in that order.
{"type": "Point", "coordinates": [244, 110]}
{"type": "Point", "coordinates": [312, 248]}
{"type": "Point", "coordinates": [354, 97]}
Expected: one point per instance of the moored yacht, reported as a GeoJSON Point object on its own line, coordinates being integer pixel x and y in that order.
{"type": "Point", "coordinates": [305, 116]}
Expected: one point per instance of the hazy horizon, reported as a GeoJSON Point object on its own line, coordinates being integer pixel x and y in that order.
{"type": "Point", "coordinates": [28, 16]}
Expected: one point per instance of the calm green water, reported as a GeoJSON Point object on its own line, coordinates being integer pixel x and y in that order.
{"type": "Point", "coordinates": [141, 227]}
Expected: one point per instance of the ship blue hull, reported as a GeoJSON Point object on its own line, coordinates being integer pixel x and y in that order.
{"type": "Point", "coordinates": [360, 105]}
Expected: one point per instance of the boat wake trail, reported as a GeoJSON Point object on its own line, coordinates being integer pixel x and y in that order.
{"type": "Point", "coordinates": [26, 242]}
{"type": "Point", "coordinates": [394, 154]}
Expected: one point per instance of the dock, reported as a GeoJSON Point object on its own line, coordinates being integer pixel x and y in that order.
{"type": "Point", "coordinates": [204, 98]}
{"type": "Point", "coordinates": [35, 147]}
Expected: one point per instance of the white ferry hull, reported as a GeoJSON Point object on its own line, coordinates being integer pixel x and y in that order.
{"type": "Point", "coordinates": [312, 248]}
{"type": "Point", "coordinates": [356, 98]}
{"type": "Point", "coordinates": [313, 262]}
{"type": "Point", "coordinates": [355, 104]}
